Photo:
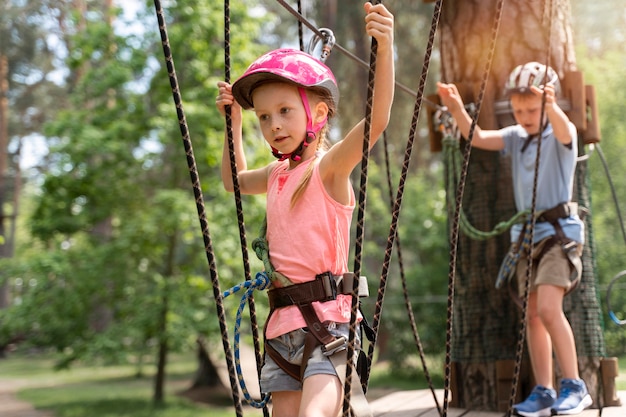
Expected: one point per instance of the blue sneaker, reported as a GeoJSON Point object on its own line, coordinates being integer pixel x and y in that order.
{"type": "Point", "coordinates": [573, 397]}
{"type": "Point", "coordinates": [538, 403]}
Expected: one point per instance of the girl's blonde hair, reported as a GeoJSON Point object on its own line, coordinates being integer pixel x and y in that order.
{"type": "Point", "coordinates": [320, 94]}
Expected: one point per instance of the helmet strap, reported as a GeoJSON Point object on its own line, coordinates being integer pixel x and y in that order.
{"type": "Point", "coordinates": [311, 132]}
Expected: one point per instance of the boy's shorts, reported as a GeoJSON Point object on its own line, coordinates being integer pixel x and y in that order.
{"type": "Point", "coordinates": [291, 347]}
{"type": "Point", "coordinates": [554, 267]}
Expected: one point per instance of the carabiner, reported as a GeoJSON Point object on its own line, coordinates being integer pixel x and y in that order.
{"type": "Point", "coordinates": [327, 43]}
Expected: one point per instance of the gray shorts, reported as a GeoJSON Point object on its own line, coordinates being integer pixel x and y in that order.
{"type": "Point", "coordinates": [291, 347]}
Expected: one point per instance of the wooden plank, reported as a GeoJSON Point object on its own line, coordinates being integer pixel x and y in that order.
{"type": "Point", "coordinates": [616, 411]}
{"type": "Point", "coordinates": [420, 403]}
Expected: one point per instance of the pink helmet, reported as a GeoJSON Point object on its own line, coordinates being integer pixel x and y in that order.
{"type": "Point", "coordinates": [290, 65]}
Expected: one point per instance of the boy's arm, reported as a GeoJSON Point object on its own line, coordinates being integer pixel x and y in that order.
{"type": "Point", "coordinates": [490, 140]}
{"type": "Point", "coordinates": [556, 115]}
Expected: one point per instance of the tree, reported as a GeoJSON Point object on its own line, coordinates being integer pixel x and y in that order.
{"type": "Point", "coordinates": [484, 341]}
{"type": "Point", "coordinates": [26, 90]}
{"type": "Point", "coordinates": [116, 256]}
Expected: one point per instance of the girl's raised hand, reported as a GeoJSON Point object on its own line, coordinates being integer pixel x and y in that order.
{"type": "Point", "coordinates": [379, 23]}
{"type": "Point", "coordinates": [225, 98]}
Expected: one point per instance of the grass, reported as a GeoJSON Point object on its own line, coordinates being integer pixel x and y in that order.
{"type": "Point", "coordinates": [115, 391]}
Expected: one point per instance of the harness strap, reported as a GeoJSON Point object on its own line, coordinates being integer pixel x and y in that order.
{"type": "Point", "coordinates": [569, 246]}
{"type": "Point", "coordinates": [324, 288]}
{"type": "Point", "coordinates": [558, 212]}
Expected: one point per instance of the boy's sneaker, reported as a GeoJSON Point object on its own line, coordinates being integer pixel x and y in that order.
{"type": "Point", "coordinates": [573, 397]}
{"type": "Point", "coordinates": [538, 403]}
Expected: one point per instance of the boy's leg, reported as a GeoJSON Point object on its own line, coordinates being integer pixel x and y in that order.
{"type": "Point", "coordinates": [539, 343]}
{"type": "Point", "coordinates": [550, 311]}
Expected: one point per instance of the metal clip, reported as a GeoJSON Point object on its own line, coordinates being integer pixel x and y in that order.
{"type": "Point", "coordinates": [327, 43]}
{"type": "Point", "coordinates": [335, 346]}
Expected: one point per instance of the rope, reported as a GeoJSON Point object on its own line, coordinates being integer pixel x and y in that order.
{"type": "Point", "coordinates": [454, 235]}
{"type": "Point", "coordinates": [349, 54]}
{"type": "Point", "coordinates": [261, 282]}
{"type": "Point", "coordinates": [614, 280]}
{"type": "Point", "coordinates": [360, 222]}
{"type": "Point", "coordinates": [405, 290]}
{"type": "Point", "coordinates": [197, 190]}
{"type": "Point", "coordinates": [608, 299]}
{"type": "Point", "coordinates": [531, 233]}
{"type": "Point", "coordinates": [237, 196]}
{"type": "Point", "coordinates": [451, 155]}
{"type": "Point", "coordinates": [400, 190]}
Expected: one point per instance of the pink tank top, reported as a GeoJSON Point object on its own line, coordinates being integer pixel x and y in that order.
{"type": "Point", "coordinates": [306, 240]}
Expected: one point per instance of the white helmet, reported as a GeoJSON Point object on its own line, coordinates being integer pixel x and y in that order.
{"type": "Point", "coordinates": [527, 75]}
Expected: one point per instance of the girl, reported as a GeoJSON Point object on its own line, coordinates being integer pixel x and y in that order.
{"type": "Point", "coordinates": [310, 202]}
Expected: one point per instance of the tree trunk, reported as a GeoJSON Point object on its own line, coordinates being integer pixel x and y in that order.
{"type": "Point", "coordinates": [206, 374]}
{"type": "Point", "coordinates": [486, 324]}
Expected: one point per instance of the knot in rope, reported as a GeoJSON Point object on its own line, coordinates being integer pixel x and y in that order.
{"type": "Point", "coordinates": [260, 282]}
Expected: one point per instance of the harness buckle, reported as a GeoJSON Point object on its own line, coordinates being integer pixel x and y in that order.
{"type": "Point", "coordinates": [572, 245]}
{"type": "Point", "coordinates": [337, 345]}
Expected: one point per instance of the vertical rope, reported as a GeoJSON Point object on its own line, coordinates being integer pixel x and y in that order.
{"type": "Point", "coordinates": [300, 34]}
{"type": "Point", "coordinates": [360, 223]}
{"type": "Point", "coordinates": [454, 236]}
{"type": "Point", "coordinates": [405, 289]}
{"type": "Point", "coordinates": [197, 190]}
{"type": "Point", "coordinates": [238, 202]}
{"type": "Point", "coordinates": [393, 230]}
{"type": "Point", "coordinates": [531, 224]}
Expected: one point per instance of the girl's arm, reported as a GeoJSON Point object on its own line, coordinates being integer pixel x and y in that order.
{"type": "Point", "coordinates": [341, 159]}
{"type": "Point", "coordinates": [250, 181]}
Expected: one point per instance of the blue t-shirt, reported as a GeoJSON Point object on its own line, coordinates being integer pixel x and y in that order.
{"type": "Point", "coordinates": [555, 181]}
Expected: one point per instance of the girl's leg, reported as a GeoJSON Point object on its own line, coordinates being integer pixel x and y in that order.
{"type": "Point", "coordinates": [322, 396]}
{"type": "Point", "coordinates": [286, 403]}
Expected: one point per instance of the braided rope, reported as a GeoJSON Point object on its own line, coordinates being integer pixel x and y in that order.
{"type": "Point", "coordinates": [451, 154]}
{"type": "Point", "coordinates": [531, 233]}
{"type": "Point", "coordinates": [393, 230]}
{"type": "Point", "coordinates": [360, 223]}
{"type": "Point", "coordinates": [197, 190]}
{"type": "Point", "coordinates": [454, 235]}
{"type": "Point", "coordinates": [237, 196]}
{"type": "Point", "coordinates": [405, 290]}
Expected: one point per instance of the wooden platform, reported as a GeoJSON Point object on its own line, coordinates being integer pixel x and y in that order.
{"type": "Point", "coordinates": [420, 403]}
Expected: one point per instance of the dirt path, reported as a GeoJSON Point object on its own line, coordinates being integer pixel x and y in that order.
{"type": "Point", "coordinates": [11, 406]}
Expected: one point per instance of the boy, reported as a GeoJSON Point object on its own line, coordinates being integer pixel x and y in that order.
{"type": "Point", "coordinates": [548, 329]}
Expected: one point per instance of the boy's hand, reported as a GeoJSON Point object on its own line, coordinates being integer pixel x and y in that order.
{"type": "Point", "coordinates": [549, 91]}
{"type": "Point", "coordinates": [450, 97]}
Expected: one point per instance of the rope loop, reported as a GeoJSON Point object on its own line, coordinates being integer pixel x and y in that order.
{"type": "Point", "coordinates": [260, 282]}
